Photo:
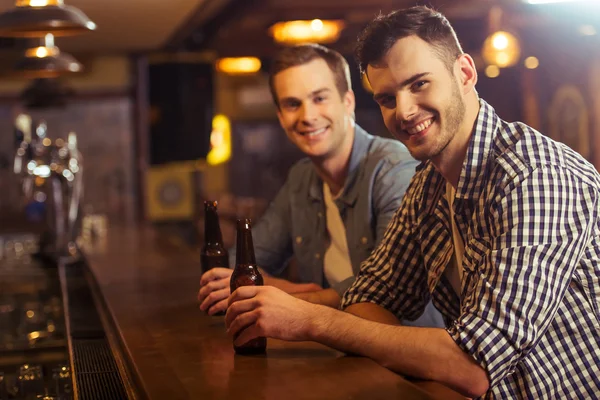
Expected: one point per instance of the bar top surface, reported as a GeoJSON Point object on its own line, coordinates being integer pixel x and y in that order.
{"type": "Point", "coordinates": [149, 285]}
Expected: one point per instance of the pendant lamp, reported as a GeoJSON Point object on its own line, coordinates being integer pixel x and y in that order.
{"type": "Point", "coordinates": [35, 18]}
{"type": "Point", "coordinates": [46, 61]}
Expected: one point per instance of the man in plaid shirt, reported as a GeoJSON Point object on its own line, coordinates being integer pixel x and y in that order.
{"type": "Point", "coordinates": [499, 227]}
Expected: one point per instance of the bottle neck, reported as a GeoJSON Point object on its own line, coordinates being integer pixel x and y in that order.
{"type": "Point", "coordinates": [212, 230]}
{"type": "Point", "coordinates": [244, 247]}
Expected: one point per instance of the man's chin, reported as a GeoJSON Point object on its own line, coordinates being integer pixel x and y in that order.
{"type": "Point", "coordinates": [421, 154]}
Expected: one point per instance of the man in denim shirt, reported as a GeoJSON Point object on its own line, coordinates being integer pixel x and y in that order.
{"type": "Point", "coordinates": [336, 204]}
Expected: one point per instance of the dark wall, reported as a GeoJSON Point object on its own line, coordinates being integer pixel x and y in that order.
{"type": "Point", "coordinates": [181, 111]}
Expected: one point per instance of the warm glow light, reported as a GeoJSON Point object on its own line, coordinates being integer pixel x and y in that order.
{"type": "Point", "coordinates": [238, 65]}
{"type": "Point", "coordinates": [501, 49]}
{"type": "Point", "coordinates": [41, 52]}
{"type": "Point", "coordinates": [220, 140]}
{"type": "Point", "coordinates": [302, 31]}
{"type": "Point", "coordinates": [502, 59]}
{"type": "Point", "coordinates": [492, 71]}
{"type": "Point", "coordinates": [500, 41]}
{"type": "Point", "coordinates": [316, 25]}
{"type": "Point", "coordinates": [47, 142]}
{"type": "Point", "coordinates": [33, 335]}
{"type": "Point", "coordinates": [587, 30]}
{"type": "Point", "coordinates": [37, 3]}
{"type": "Point", "coordinates": [532, 62]}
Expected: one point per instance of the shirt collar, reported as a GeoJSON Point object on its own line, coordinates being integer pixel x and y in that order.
{"type": "Point", "coordinates": [473, 170]}
{"type": "Point", "coordinates": [480, 146]}
{"type": "Point", "coordinates": [350, 190]}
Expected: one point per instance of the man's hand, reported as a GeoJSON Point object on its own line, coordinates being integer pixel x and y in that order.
{"type": "Point", "coordinates": [256, 311]}
{"type": "Point", "coordinates": [214, 290]}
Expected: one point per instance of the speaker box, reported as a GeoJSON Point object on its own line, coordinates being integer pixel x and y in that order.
{"type": "Point", "coordinates": [170, 193]}
{"type": "Point", "coordinates": [181, 111]}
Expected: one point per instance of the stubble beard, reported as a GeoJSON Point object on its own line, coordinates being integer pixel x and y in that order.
{"type": "Point", "coordinates": [454, 114]}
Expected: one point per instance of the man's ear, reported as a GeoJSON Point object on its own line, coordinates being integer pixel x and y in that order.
{"type": "Point", "coordinates": [467, 73]}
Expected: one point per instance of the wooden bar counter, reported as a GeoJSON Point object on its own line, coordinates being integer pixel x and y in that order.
{"type": "Point", "coordinates": [148, 285]}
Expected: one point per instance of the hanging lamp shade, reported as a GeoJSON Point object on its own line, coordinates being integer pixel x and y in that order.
{"type": "Point", "coordinates": [35, 18]}
{"type": "Point", "coordinates": [46, 61]}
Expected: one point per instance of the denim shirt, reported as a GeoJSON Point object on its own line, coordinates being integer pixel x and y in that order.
{"type": "Point", "coordinates": [295, 225]}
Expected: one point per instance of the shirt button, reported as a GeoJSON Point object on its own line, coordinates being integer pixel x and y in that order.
{"type": "Point", "coordinates": [573, 284]}
{"type": "Point", "coordinates": [363, 240]}
{"type": "Point", "coordinates": [320, 214]}
{"type": "Point", "coordinates": [317, 256]}
{"type": "Point", "coordinates": [298, 239]}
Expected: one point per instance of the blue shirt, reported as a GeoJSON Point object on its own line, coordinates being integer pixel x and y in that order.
{"type": "Point", "coordinates": [379, 172]}
{"type": "Point", "coordinates": [528, 211]}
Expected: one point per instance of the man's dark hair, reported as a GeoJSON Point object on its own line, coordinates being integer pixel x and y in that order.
{"type": "Point", "coordinates": [378, 37]}
{"type": "Point", "coordinates": [305, 53]}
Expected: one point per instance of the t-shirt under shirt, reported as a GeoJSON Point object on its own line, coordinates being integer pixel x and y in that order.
{"type": "Point", "coordinates": [454, 269]}
{"type": "Point", "coordinates": [337, 264]}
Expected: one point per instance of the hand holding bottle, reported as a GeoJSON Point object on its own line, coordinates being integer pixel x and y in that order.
{"type": "Point", "coordinates": [214, 290]}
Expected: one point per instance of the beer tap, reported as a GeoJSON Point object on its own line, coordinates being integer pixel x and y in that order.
{"type": "Point", "coordinates": [52, 180]}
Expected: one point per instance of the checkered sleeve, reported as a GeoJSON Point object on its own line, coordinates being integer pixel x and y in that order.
{"type": "Point", "coordinates": [393, 276]}
{"type": "Point", "coordinates": [542, 224]}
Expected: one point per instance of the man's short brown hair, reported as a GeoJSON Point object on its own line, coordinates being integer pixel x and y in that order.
{"type": "Point", "coordinates": [384, 31]}
{"type": "Point", "coordinates": [305, 53]}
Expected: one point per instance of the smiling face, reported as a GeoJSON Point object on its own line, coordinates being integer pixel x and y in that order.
{"type": "Point", "coordinates": [314, 115]}
{"type": "Point", "coordinates": [421, 101]}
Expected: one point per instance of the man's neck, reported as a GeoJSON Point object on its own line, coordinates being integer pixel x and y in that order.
{"type": "Point", "coordinates": [334, 169]}
{"type": "Point", "coordinates": [451, 160]}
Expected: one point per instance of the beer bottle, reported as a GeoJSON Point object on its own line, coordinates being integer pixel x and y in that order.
{"type": "Point", "coordinates": [213, 254]}
{"type": "Point", "coordinates": [246, 273]}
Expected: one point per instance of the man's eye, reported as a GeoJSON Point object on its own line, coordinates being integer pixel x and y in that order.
{"type": "Point", "coordinates": [387, 101]}
{"type": "Point", "coordinates": [319, 99]}
{"type": "Point", "coordinates": [291, 105]}
{"type": "Point", "coordinates": [419, 85]}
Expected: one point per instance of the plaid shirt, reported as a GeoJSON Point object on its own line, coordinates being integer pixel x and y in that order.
{"type": "Point", "coordinates": [527, 210]}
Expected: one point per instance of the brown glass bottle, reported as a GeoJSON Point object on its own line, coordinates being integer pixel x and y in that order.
{"type": "Point", "coordinates": [246, 273]}
{"type": "Point", "coordinates": [213, 253]}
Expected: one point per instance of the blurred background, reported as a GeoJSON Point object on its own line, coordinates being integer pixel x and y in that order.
{"type": "Point", "coordinates": [166, 103]}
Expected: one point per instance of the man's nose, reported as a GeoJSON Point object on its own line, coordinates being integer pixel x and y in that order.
{"type": "Point", "coordinates": [406, 107]}
{"type": "Point", "coordinates": [309, 112]}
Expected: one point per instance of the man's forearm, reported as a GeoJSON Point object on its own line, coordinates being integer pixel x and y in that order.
{"type": "Point", "coordinates": [427, 353]}
{"type": "Point", "coordinates": [326, 297]}
{"type": "Point", "coordinates": [373, 312]}
{"type": "Point", "coordinates": [289, 287]}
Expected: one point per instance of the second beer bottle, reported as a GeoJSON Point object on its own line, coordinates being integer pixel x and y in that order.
{"type": "Point", "coordinates": [213, 254]}
{"type": "Point", "coordinates": [246, 273]}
